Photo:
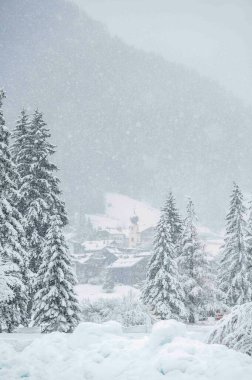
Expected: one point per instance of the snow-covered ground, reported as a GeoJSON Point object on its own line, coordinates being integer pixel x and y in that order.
{"type": "Point", "coordinates": [94, 292]}
{"type": "Point", "coordinates": [172, 351]}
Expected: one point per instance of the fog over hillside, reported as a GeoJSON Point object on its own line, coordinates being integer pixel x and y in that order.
{"type": "Point", "coordinates": [124, 120]}
{"type": "Point", "coordinates": [211, 36]}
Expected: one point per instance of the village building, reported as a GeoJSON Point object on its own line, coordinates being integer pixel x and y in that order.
{"type": "Point", "coordinates": [92, 265]}
{"type": "Point", "coordinates": [122, 253]}
{"type": "Point", "coordinates": [134, 233]}
{"type": "Point", "coordinates": [129, 270]}
{"type": "Point", "coordinates": [96, 245]}
{"type": "Point", "coordinates": [75, 247]}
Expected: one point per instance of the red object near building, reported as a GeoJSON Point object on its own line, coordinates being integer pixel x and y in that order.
{"type": "Point", "coordinates": [218, 316]}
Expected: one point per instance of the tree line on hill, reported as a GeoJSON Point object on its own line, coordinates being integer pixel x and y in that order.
{"type": "Point", "coordinates": [182, 283]}
{"type": "Point", "coordinates": [36, 275]}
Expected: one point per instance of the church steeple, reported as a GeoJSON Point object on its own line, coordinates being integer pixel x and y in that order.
{"type": "Point", "coordinates": [134, 234]}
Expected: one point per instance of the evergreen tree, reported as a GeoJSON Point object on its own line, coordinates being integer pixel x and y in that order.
{"type": "Point", "coordinates": [173, 219]}
{"type": "Point", "coordinates": [39, 188]}
{"type": "Point", "coordinates": [12, 238]}
{"type": "Point", "coordinates": [248, 241]}
{"type": "Point", "coordinates": [194, 268]}
{"type": "Point", "coordinates": [162, 291]}
{"type": "Point", "coordinates": [234, 269]}
{"type": "Point", "coordinates": [55, 304]}
{"type": "Point", "coordinates": [19, 137]}
{"type": "Point", "coordinates": [6, 294]}
{"type": "Point", "coordinates": [109, 284]}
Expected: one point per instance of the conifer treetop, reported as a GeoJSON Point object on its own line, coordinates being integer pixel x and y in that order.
{"type": "Point", "coordinates": [234, 268]}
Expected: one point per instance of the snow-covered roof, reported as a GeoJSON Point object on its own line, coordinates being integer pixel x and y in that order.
{"type": "Point", "coordinates": [114, 250]}
{"type": "Point", "coordinates": [82, 259]}
{"type": "Point", "coordinates": [144, 254]}
{"type": "Point", "coordinates": [96, 245]}
{"type": "Point", "coordinates": [115, 231]}
{"type": "Point", "coordinates": [126, 262]}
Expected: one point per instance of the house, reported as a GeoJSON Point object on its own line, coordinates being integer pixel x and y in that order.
{"type": "Point", "coordinates": [117, 236]}
{"type": "Point", "coordinates": [91, 266]}
{"type": "Point", "coordinates": [96, 245]}
{"type": "Point", "coordinates": [75, 247]}
{"type": "Point", "coordinates": [129, 270]}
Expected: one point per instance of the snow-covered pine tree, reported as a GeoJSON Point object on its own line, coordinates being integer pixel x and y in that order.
{"type": "Point", "coordinates": [5, 290]}
{"type": "Point", "coordinates": [173, 219]}
{"type": "Point", "coordinates": [6, 294]}
{"type": "Point", "coordinates": [163, 292]}
{"type": "Point", "coordinates": [19, 139]}
{"type": "Point", "coordinates": [235, 329]}
{"type": "Point", "coordinates": [12, 237]}
{"type": "Point", "coordinates": [194, 268]}
{"type": "Point", "coordinates": [248, 241]}
{"type": "Point", "coordinates": [39, 188]}
{"type": "Point", "coordinates": [234, 267]}
{"type": "Point", "coordinates": [55, 305]}
{"type": "Point", "coordinates": [19, 135]}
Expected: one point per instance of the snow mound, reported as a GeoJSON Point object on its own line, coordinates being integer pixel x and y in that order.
{"type": "Point", "coordinates": [235, 329]}
{"type": "Point", "coordinates": [89, 333]}
{"type": "Point", "coordinates": [96, 352]}
{"type": "Point", "coordinates": [165, 331]}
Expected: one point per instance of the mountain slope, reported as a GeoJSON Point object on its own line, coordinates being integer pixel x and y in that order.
{"type": "Point", "coordinates": [124, 120]}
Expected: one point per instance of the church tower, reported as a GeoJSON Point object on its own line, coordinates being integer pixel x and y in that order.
{"type": "Point", "coordinates": [134, 234]}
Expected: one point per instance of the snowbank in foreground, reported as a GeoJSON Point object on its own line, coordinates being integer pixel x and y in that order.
{"type": "Point", "coordinates": [103, 352]}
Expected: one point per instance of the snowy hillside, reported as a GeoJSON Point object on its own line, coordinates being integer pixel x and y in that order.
{"type": "Point", "coordinates": [122, 208]}
{"type": "Point", "coordinates": [126, 121]}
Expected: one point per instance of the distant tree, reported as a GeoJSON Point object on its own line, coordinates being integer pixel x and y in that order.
{"type": "Point", "coordinates": [55, 305]}
{"type": "Point", "coordinates": [163, 291]}
{"type": "Point", "coordinates": [214, 298]}
{"type": "Point", "coordinates": [109, 284]}
{"type": "Point", "coordinates": [88, 231]}
{"type": "Point", "coordinates": [234, 269]}
{"type": "Point", "coordinates": [194, 268]}
{"type": "Point", "coordinates": [12, 238]}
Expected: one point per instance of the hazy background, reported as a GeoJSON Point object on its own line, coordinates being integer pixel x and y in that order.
{"type": "Point", "coordinates": [211, 36]}
{"type": "Point", "coordinates": [124, 119]}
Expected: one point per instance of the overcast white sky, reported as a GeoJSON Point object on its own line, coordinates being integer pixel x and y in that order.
{"type": "Point", "coordinates": [212, 36]}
